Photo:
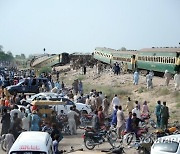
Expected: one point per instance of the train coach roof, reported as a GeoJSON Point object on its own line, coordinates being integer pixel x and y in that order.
{"type": "Point", "coordinates": [160, 50]}
{"type": "Point", "coordinates": [113, 51]}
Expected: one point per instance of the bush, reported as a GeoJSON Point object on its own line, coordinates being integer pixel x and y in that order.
{"type": "Point", "coordinates": [81, 77]}
{"type": "Point", "coordinates": [142, 89]}
{"type": "Point", "coordinates": [109, 91]}
{"type": "Point", "coordinates": [45, 70]}
{"type": "Point", "coordinates": [162, 92]}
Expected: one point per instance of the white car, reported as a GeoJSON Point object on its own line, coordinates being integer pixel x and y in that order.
{"type": "Point", "coordinates": [56, 97]}
{"type": "Point", "coordinates": [68, 103]}
{"type": "Point", "coordinates": [166, 145]}
{"type": "Point", "coordinates": [42, 95]}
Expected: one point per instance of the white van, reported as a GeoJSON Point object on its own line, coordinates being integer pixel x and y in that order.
{"type": "Point", "coordinates": [33, 142]}
{"type": "Point", "coordinates": [167, 145]}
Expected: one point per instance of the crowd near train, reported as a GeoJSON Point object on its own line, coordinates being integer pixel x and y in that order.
{"type": "Point", "coordinates": [38, 112]}
{"type": "Point", "coordinates": [155, 59]}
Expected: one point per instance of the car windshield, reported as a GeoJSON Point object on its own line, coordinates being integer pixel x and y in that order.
{"type": "Point", "coordinates": [27, 152]}
{"type": "Point", "coordinates": [166, 147]}
{"type": "Point", "coordinates": [20, 83]}
{"type": "Point", "coordinates": [44, 95]}
{"type": "Point", "coordinates": [68, 102]}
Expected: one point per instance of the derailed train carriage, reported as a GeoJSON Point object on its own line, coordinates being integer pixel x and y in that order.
{"type": "Point", "coordinates": [156, 59]}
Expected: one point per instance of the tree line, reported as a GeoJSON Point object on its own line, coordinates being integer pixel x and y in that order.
{"type": "Point", "coordinates": [8, 56]}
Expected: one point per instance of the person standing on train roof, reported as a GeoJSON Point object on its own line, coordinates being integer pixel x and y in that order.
{"type": "Point", "coordinates": [136, 78]}
{"type": "Point", "coordinates": [167, 76]}
{"type": "Point", "coordinates": [177, 81]}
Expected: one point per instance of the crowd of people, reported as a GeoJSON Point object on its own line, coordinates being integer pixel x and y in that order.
{"type": "Point", "coordinates": [15, 120]}
{"type": "Point", "coordinates": [149, 79]}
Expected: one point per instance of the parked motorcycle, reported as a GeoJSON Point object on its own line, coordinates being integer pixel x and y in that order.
{"type": "Point", "coordinates": [3, 145]}
{"type": "Point", "coordinates": [92, 138]}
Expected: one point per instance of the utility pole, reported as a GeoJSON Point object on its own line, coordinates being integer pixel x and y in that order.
{"type": "Point", "coordinates": [44, 50]}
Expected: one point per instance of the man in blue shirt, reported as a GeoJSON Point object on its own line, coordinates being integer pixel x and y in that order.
{"type": "Point", "coordinates": [129, 123]}
{"type": "Point", "coordinates": [114, 117]}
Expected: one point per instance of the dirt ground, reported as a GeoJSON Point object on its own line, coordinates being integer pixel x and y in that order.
{"type": "Point", "coordinates": [122, 85]}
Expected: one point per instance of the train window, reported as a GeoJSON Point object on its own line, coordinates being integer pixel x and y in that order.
{"type": "Point", "coordinates": [174, 60]}
{"type": "Point", "coordinates": [169, 59]}
{"type": "Point", "coordinates": [158, 59]}
{"type": "Point", "coordinates": [166, 60]}
{"type": "Point", "coordinates": [162, 59]}
{"type": "Point", "coordinates": [146, 58]}
{"type": "Point", "coordinates": [152, 58]}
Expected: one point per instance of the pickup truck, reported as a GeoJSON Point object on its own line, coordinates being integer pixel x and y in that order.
{"type": "Point", "coordinates": [30, 85]}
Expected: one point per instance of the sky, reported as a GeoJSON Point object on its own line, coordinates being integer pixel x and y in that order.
{"type": "Point", "coordinates": [29, 26]}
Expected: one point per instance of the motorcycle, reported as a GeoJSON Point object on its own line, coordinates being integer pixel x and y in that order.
{"type": "Point", "coordinates": [92, 138]}
{"type": "Point", "coordinates": [3, 145]}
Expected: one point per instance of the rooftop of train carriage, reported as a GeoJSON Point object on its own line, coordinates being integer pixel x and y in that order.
{"type": "Point", "coordinates": [161, 49]}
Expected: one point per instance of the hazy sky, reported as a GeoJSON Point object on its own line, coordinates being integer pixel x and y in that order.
{"type": "Point", "coordinates": [28, 26]}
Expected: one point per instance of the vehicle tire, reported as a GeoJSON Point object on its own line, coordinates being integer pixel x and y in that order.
{"type": "Point", "coordinates": [3, 146]}
{"type": "Point", "coordinates": [130, 138]}
{"type": "Point", "coordinates": [89, 143]}
{"type": "Point", "coordinates": [113, 135]}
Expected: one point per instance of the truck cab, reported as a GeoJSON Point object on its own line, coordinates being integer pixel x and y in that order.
{"type": "Point", "coordinates": [30, 85]}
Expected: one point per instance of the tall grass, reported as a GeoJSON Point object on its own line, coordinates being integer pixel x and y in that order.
{"type": "Point", "coordinates": [162, 92]}
{"type": "Point", "coordinates": [107, 90]}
